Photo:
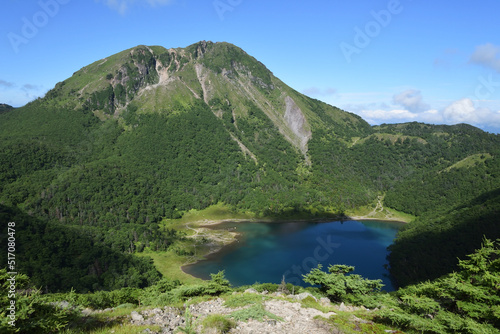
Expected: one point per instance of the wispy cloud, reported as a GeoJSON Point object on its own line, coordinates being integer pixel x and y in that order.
{"type": "Point", "coordinates": [30, 87]}
{"type": "Point", "coordinates": [6, 84]}
{"type": "Point", "coordinates": [122, 6]}
{"type": "Point", "coordinates": [446, 58]}
{"type": "Point", "coordinates": [25, 87]}
{"type": "Point", "coordinates": [487, 55]}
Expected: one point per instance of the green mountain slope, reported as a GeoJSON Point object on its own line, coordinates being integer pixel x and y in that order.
{"type": "Point", "coordinates": [59, 258]}
{"type": "Point", "coordinates": [430, 246]}
{"type": "Point", "coordinates": [151, 133]}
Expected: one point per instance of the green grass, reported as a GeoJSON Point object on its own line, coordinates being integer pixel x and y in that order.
{"type": "Point", "coordinates": [345, 322]}
{"type": "Point", "coordinates": [213, 213]}
{"type": "Point", "coordinates": [310, 302]}
{"type": "Point", "coordinates": [470, 161]}
{"type": "Point", "coordinates": [240, 300]}
{"type": "Point", "coordinates": [119, 329]}
{"type": "Point", "coordinates": [393, 138]}
{"type": "Point", "coordinates": [256, 312]}
{"type": "Point", "coordinates": [114, 321]}
{"type": "Point", "coordinates": [385, 214]}
{"type": "Point", "coordinates": [169, 265]}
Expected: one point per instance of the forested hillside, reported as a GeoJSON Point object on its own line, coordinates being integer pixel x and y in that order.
{"type": "Point", "coordinates": [151, 133]}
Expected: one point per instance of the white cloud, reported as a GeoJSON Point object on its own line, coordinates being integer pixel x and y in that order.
{"type": "Point", "coordinates": [378, 116]}
{"type": "Point", "coordinates": [461, 111]}
{"type": "Point", "coordinates": [122, 6]}
{"type": "Point", "coordinates": [464, 111]}
{"type": "Point", "coordinates": [411, 99]}
{"type": "Point", "coordinates": [487, 55]}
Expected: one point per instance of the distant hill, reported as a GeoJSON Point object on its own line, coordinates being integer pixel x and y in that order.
{"type": "Point", "coordinates": [151, 133]}
{"type": "Point", "coordinates": [5, 107]}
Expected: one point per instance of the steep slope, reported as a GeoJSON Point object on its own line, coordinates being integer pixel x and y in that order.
{"type": "Point", "coordinates": [429, 247]}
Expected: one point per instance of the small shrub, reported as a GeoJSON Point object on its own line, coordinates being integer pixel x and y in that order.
{"type": "Point", "coordinates": [218, 322]}
{"type": "Point", "coordinates": [106, 299]}
{"type": "Point", "coordinates": [283, 287]}
{"type": "Point", "coordinates": [32, 313]}
{"type": "Point", "coordinates": [269, 287]}
{"type": "Point", "coordinates": [338, 285]}
{"type": "Point", "coordinates": [190, 326]}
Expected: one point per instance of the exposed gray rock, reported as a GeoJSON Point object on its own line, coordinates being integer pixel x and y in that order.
{"type": "Point", "coordinates": [358, 320]}
{"type": "Point", "coordinates": [293, 317]}
{"type": "Point", "coordinates": [86, 312]}
{"type": "Point", "coordinates": [297, 122]}
{"type": "Point", "coordinates": [325, 301]}
{"type": "Point", "coordinates": [62, 304]}
{"type": "Point", "coordinates": [136, 316]}
{"type": "Point", "coordinates": [303, 296]}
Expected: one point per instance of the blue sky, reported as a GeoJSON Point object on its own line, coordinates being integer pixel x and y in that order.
{"type": "Point", "coordinates": [387, 60]}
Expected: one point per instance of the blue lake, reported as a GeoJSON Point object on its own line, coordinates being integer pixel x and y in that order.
{"type": "Point", "coordinates": [265, 252]}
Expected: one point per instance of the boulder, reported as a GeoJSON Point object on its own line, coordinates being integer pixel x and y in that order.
{"type": "Point", "coordinates": [136, 316]}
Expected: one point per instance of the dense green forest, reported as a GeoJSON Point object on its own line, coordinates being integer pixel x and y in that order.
{"type": "Point", "coordinates": [61, 258]}
{"type": "Point", "coordinates": [150, 133]}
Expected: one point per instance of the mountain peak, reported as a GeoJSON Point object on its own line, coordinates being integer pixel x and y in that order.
{"type": "Point", "coordinates": [235, 86]}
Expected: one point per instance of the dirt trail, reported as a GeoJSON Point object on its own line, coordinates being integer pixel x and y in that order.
{"type": "Point", "coordinates": [378, 213]}
{"type": "Point", "coordinates": [379, 208]}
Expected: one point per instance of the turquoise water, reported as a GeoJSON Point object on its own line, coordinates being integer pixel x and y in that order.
{"type": "Point", "coordinates": [267, 252]}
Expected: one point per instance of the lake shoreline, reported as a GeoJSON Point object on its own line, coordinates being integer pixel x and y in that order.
{"type": "Point", "coordinates": [207, 223]}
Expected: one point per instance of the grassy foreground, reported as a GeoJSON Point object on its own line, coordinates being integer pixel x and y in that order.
{"type": "Point", "coordinates": [467, 301]}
